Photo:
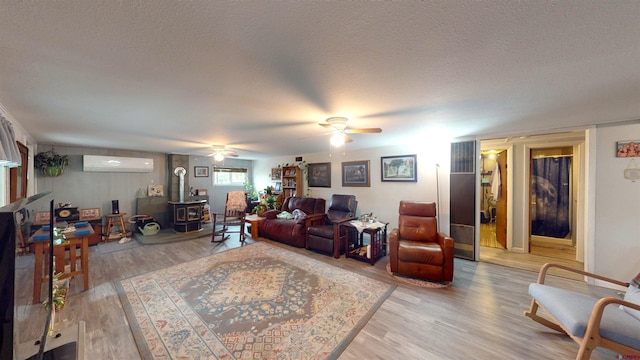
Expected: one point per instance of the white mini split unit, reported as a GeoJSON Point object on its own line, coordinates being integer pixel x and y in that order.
{"type": "Point", "coordinates": [116, 164]}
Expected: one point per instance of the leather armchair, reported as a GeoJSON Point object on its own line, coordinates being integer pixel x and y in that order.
{"type": "Point", "coordinates": [329, 236]}
{"type": "Point", "coordinates": [416, 248]}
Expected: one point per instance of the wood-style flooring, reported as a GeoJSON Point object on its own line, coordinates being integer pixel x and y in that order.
{"type": "Point", "coordinates": [479, 317]}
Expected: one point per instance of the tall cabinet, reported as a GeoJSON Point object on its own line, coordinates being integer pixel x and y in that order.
{"type": "Point", "coordinates": [291, 181]}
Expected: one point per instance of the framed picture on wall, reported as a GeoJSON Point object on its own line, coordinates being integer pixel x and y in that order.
{"type": "Point", "coordinates": [201, 171]}
{"type": "Point", "coordinates": [629, 148]}
{"type": "Point", "coordinates": [276, 173]}
{"type": "Point", "coordinates": [89, 214]}
{"type": "Point", "coordinates": [399, 168]}
{"type": "Point", "coordinates": [41, 218]}
{"type": "Point", "coordinates": [356, 173]}
{"type": "Point", "coordinates": [277, 186]}
{"type": "Point", "coordinates": [319, 175]}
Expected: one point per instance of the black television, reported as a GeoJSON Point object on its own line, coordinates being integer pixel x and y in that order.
{"type": "Point", "coordinates": [11, 217]}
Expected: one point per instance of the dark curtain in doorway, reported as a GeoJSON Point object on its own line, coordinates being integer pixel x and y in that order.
{"type": "Point", "coordinates": [550, 192]}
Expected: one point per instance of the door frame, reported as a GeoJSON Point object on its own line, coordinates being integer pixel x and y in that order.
{"type": "Point", "coordinates": [519, 172]}
{"type": "Point", "coordinates": [579, 176]}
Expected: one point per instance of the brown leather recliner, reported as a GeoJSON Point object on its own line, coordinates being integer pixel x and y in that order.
{"type": "Point", "coordinates": [328, 237]}
{"type": "Point", "coordinates": [416, 248]}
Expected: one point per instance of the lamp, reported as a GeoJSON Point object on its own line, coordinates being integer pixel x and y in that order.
{"type": "Point", "coordinates": [218, 157]}
{"type": "Point", "coordinates": [337, 139]}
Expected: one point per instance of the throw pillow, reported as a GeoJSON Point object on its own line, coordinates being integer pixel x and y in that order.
{"type": "Point", "coordinates": [298, 214]}
{"type": "Point", "coordinates": [633, 296]}
{"type": "Point", "coordinates": [285, 215]}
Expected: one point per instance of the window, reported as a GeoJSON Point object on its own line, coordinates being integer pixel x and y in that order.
{"type": "Point", "coordinates": [229, 176]}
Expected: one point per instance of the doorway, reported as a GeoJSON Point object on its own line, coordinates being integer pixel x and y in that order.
{"type": "Point", "coordinates": [493, 199]}
{"type": "Point", "coordinates": [520, 251]}
{"type": "Point", "coordinates": [551, 194]}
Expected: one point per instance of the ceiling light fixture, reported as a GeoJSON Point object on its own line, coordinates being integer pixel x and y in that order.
{"type": "Point", "coordinates": [218, 157]}
{"type": "Point", "coordinates": [337, 139]}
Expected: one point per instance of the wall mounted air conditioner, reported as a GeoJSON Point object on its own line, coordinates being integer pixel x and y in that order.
{"type": "Point", "coordinates": [116, 164]}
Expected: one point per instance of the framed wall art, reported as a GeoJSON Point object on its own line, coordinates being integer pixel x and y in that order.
{"type": "Point", "coordinates": [201, 171]}
{"type": "Point", "coordinates": [276, 173]}
{"type": "Point", "coordinates": [319, 175]}
{"type": "Point", "coordinates": [89, 214]}
{"type": "Point", "coordinates": [41, 218]}
{"type": "Point", "coordinates": [399, 168]}
{"type": "Point", "coordinates": [629, 148]}
{"type": "Point", "coordinates": [356, 173]}
{"type": "Point", "coordinates": [277, 186]}
{"type": "Point", "coordinates": [156, 190]}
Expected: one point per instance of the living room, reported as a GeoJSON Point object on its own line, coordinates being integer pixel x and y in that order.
{"type": "Point", "coordinates": [269, 113]}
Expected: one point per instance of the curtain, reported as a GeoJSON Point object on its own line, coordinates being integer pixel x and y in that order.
{"type": "Point", "coordinates": [550, 191]}
{"type": "Point", "coordinates": [9, 153]}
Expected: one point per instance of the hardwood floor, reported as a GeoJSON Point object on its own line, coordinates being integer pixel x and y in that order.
{"type": "Point", "coordinates": [479, 317]}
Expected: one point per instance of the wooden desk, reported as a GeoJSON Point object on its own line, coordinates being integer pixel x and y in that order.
{"type": "Point", "coordinates": [41, 270]}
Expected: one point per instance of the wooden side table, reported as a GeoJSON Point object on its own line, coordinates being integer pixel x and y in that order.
{"type": "Point", "coordinates": [253, 220]}
{"type": "Point", "coordinates": [117, 220]}
{"type": "Point", "coordinates": [377, 243]}
{"type": "Point", "coordinates": [40, 248]}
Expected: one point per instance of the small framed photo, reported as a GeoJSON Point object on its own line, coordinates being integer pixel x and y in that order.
{"type": "Point", "coordinates": [201, 171]}
{"type": "Point", "coordinates": [41, 218]}
{"type": "Point", "coordinates": [156, 190]}
{"type": "Point", "coordinates": [89, 214]}
{"type": "Point", "coordinates": [629, 148]}
{"type": "Point", "coordinates": [202, 192]}
{"type": "Point", "coordinates": [319, 175]}
{"type": "Point", "coordinates": [356, 173]}
{"type": "Point", "coordinates": [278, 186]}
{"type": "Point", "coordinates": [276, 173]}
{"type": "Point", "coordinates": [399, 168]}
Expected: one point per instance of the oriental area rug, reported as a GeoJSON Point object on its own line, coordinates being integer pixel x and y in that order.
{"type": "Point", "coordinates": [253, 302]}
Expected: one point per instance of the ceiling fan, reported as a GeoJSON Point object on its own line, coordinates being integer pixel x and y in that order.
{"type": "Point", "coordinates": [339, 130]}
{"type": "Point", "coordinates": [220, 151]}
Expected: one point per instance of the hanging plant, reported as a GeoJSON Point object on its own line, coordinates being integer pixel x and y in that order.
{"type": "Point", "coordinates": [51, 163]}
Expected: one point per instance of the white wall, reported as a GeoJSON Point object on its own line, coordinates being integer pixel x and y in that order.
{"type": "Point", "coordinates": [381, 198]}
{"type": "Point", "coordinates": [25, 138]}
{"type": "Point", "coordinates": [617, 213]}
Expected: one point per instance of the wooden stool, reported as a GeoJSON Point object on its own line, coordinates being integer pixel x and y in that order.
{"type": "Point", "coordinates": [118, 220]}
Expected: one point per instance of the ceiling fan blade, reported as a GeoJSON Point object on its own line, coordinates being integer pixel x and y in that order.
{"type": "Point", "coordinates": [326, 126]}
{"type": "Point", "coordinates": [363, 131]}
{"type": "Point", "coordinates": [312, 136]}
{"type": "Point", "coordinates": [347, 139]}
{"type": "Point", "coordinates": [230, 154]}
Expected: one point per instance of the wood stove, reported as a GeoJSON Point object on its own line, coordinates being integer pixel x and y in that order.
{"type": "Point", "coordinates": [187, 215]}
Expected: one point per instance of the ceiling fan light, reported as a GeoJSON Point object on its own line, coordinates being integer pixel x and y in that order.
{"type": "Point", "coordinates": [218, 157]}
{"type": "Point", "coordinates": [337, 139]}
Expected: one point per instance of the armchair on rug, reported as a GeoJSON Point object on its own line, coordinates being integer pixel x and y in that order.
{"type": "Point", "coordinates": [416, 248]}
{"type": "Point", "coordinates": [589, 320]}
{"type": "Point", "coordinates": [234, 215]}
{"type": "Point", "coordinates": [328, 237]}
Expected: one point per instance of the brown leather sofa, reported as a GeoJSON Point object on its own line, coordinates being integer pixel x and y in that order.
{"type": "Point", "coordinates": [416, 248]}
{"type": "Point", "coordinates": [292, 231]}
{"type": "Point", "coordinates": [329, 236]}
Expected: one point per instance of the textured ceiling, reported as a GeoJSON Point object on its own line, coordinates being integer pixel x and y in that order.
{"type": "Point", "coordinates": [178, 76]}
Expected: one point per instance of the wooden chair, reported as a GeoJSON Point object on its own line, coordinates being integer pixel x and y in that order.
{"type": "Point", "coordinates": [235, 212]}
{"type": "Point", "coordinates": [589, 321]}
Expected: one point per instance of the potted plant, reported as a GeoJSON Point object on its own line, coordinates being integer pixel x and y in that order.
{"type": "Point", "coordinates": [259, 210]}
{"type": "Point", "coordinates": [270, 201]}
{"type": "Point", "coordinates": [51, 163]}
{"type": "Point", "coordinates": [60, 290]}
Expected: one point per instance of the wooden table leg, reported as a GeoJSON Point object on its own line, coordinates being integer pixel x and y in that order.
{"type": "Point", "coordinates": [84, 261]}
{"type": "Point", "coordinates": [254, 229]}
